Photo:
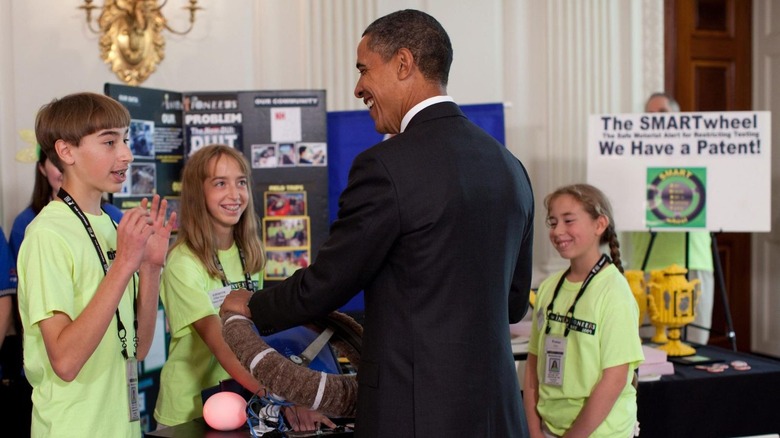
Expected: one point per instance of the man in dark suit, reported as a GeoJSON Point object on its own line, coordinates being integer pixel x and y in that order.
{"type": "Point", "coordinates": [435, 224]}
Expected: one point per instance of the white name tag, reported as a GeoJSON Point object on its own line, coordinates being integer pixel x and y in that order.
{"type": "Point", "coordinates": [131, 373]}
{"type": "Point", "coordinates": [555, 347]}
{"type": "Point", "coordinates": [218, 295]}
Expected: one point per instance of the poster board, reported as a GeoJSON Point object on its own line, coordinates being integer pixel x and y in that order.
{"type": "Point", "coordinates": [283, 135]}
{"type": "Point", "coordinates": [684, 171]}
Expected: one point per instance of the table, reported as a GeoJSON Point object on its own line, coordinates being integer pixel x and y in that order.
{"type": "Point", "coordinates": [695, 403]}
{"type": "Point", "coordinates": [198, 428]}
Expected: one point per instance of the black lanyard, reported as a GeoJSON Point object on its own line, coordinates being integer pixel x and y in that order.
{"type": "Point", "coordinates": [121, 332]}
{"type": "Point", "coordinates": [570, 314]}
{"type": "Point", "coordinates": [250, 285]}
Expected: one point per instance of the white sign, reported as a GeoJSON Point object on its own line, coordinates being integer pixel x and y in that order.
{"type": "Point", "coordinates": [684, 171]}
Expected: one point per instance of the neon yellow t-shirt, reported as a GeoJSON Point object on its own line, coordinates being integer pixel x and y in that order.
{"type": "Point", "coordinates": [607, 302]}
{"type": "Point", "coordinates": [59, 271]}
{"type": "Point", "coordinates": [191, 367]}
{"type": "Point", "coordinates": [669, 249]}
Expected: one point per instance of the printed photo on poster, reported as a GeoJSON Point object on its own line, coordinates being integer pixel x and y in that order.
{"type": "Point", "coordinates": [281, 264]}
{"type": "Point", "coordinates": [142, 179]}
{"type": "Point", "coordinates": [141, 138]}
{"type": "Point", "coordinates": [676, 197]}
{"type": "Point", "coordinates": [264, 156]}
{"type": "Point", "coordinates": [286, 124]}
{"type": "Point", "coordinates": [287, 156]}
{"type": "Point", "coordinates": [312, 154]}
{"type": "Point", "coordinates": [174, 205]}
{"type": "Point", "coordinates": [285, 203]}
{"type": "Point", "coordinates": [286, 232]}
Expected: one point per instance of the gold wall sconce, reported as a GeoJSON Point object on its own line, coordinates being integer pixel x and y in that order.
{"type": "Point", "coordinates": [131, 40]}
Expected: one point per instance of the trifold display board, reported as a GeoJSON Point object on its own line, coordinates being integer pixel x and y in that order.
{"type": "Point", "coordinates": [684, 171]}
{"type": "Point", "coordinates": [282, 134]}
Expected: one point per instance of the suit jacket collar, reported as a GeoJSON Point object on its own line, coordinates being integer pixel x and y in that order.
{"type": "Point", "coordinates": [435, 111]}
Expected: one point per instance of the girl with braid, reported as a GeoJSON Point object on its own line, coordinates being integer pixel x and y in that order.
{"type": "Point", "coordinates": [585, 343]}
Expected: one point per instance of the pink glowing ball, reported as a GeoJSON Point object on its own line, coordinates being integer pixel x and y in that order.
{"type": "Point", "coordinates": [225, 411]}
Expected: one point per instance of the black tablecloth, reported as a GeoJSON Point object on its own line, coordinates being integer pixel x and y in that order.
{"type": "Point", "coordinates": [199, 429]}
{"type": "Point", "coordinates": [696, 403]}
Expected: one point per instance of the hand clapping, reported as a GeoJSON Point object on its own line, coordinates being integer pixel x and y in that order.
{"type": "Point", "coordinates": [143, 234]}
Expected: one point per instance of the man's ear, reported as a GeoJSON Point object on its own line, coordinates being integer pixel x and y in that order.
{"type": "Point", "coordinates": [65, 151]}
{"type": "Point", "coordinates": [405, 61]}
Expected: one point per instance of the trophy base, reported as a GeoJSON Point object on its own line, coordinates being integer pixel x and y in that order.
{"type": "Point", "coordinates": [660, 335]}
{"type": "Point", "coordinates": [675, 347]}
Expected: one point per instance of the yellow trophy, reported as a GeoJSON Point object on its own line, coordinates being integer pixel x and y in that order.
{"type": "Point", "coordinates": [672, 304]}
{"type": "Point", "coordinates": [660, 325]}
{"type": "Point", "coordinates": [636, 281]}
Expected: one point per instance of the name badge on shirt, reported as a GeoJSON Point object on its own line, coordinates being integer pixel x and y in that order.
{"type": "Point", "coordinates": [218, 295]}
{"type": "Point", "coordinates": [131, 372]}
{"type": "Point", "coordinates": [555, 347]}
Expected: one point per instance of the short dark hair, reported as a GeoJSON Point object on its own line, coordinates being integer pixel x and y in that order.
{"type": "Point", "coordinates": [675, 107]}
{"type": "Point", "coordinates": [421, 34]}
{"type": "Point", "coordinates": [74, 117]}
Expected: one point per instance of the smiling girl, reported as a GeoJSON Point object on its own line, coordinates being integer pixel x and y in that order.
{"type": "Point", "coordinates": [585, 342]}
{"type": "Point", "coordinates": [217, 250]}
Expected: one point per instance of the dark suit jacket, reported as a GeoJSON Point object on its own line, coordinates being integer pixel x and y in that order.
{"type": "Point", "coordinates": [436, 226]}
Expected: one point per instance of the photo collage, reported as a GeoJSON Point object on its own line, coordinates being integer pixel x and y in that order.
{"type": "Point", "coordinates": [265, 156]}
{"type": "Point", "coordinates": [286, 234]}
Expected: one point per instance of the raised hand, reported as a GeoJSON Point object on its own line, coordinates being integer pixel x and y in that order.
{"type": "Point", "coordinates": [157, 245]}
{"type": "Point", "coordinates": [132, 236]}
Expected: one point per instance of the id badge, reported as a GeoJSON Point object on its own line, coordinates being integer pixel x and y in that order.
{"type": "Point", "coordinates": [555, 347]}
{"type": "Point", "coordinates": [131, 372]}
{"type": "Point", "coordinates": [218, 295]}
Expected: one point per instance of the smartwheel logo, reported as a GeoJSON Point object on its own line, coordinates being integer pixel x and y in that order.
{"type": "Point", "coordinates": [676, 197]}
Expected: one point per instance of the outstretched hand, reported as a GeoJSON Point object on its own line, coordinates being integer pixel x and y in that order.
{"type": "Point", "coordinates": [237, 301]}
{"type": "Point", "coordinates": [302, 419]}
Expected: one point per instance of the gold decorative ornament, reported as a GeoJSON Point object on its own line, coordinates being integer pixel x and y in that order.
{"type": "Point", "coordinates": [131, 40]}
{"type": "Point", "coordinates": [672, 303]}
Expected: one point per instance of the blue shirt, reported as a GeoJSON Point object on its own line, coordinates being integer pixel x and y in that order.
{"type": "Point", "coordinates": [7, 268]}
{"type": "Point", "coordinates": [25, 217]}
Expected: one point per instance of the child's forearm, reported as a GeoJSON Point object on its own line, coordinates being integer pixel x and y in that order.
{"type": "Point", "coordinates": [209, 329]}
{"type": "Point", "coordinates": [70, 343]}
{"type": "Point", "coordinates": [600, 402]}
{"type": "Point", "coordinates": [148, 303]}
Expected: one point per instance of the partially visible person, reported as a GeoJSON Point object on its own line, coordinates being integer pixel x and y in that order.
{"type": "Point", "coordinates": [88, 288]}
{"type": "Point", "coordinates": [48, 180]}
{"type": "Point", "coordinates": [7, 289]}
{"type": "Point", "coordinates": [584, 344]}
{"type": "Point", "coordinates": [436, 226]}
{"type": "Point", "coordinates": [669, 248]}
{"type": "Point", "coordinates": [217, 250]}
{"type": "Point", "coordinates": [15, 406]}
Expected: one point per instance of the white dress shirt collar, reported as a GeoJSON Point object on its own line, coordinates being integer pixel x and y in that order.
{"type": "Point", "coordinates": [421, 106]}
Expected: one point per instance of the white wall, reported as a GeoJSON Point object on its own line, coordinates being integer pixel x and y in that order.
{"type": "Point", "coordinates": [46, 51]}
{"type": "Point", "coordinates": [552, 63]}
